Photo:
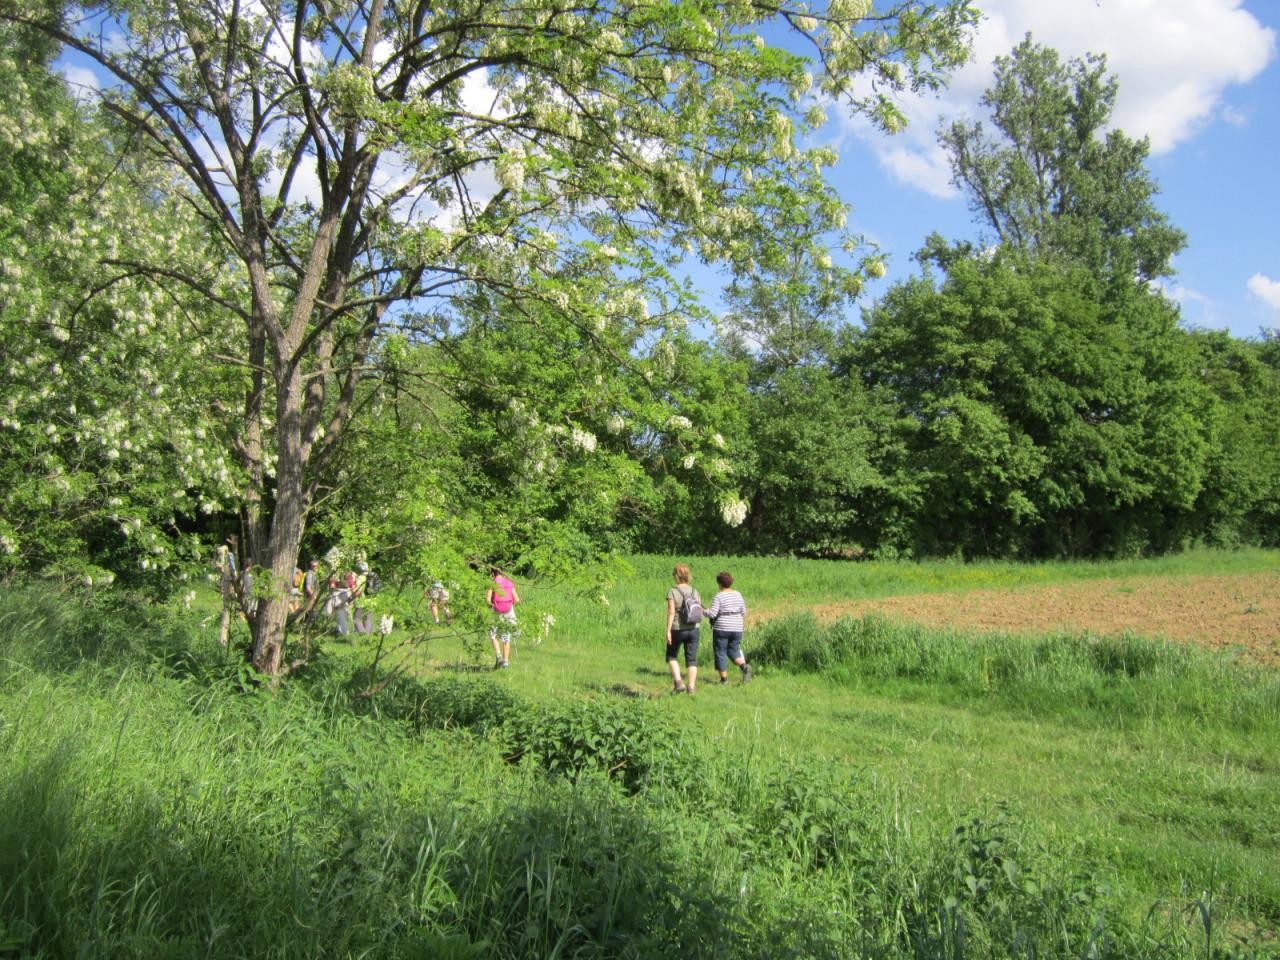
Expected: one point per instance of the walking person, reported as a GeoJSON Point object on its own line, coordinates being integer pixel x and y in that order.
{"type": "Point", "coordinates": [684, 613]}
{"type": "Point", "coordinates": [502, 598]}
{"type": "Point", "coordinates": [362, 616]}
{"type": "Point", "coordinates": [340, 597]}
{"type": "Point", "coordinates": [439, 598]}
{"type": "Point", "coordinates": [227, 577]}
{"type": "Point", "coordinates": [728, 616]}
{"type": "Point", "coordinates": [311, 590]}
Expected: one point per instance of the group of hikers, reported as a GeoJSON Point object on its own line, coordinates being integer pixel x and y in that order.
{"type": "Point", "coordinates": [346, 600]}
{"type": "Point", "coordinates": [348, 591]}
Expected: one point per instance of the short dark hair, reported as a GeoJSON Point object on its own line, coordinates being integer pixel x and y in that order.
{"type": "Point", "coordinates": [725, 579]}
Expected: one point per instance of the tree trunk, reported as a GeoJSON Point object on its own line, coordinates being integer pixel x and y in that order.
{"type": "Point", "coordinates": [288, 521]}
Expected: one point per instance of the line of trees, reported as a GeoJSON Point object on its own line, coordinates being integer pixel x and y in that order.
{"type": "Point", "coordinates": [1033, 394]}
{"type": "Point", "coordinates": [403, 280]}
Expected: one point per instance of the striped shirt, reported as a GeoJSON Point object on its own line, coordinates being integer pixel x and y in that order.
{"type": "Point", "coordinates": [728, 611]}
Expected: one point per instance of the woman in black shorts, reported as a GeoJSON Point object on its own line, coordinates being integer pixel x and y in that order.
{"type": "Point", "coordinates": [679, 632]}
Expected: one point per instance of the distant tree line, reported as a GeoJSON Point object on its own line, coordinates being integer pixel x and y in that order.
{"type": "Point", "coordinates": [1033, 395]}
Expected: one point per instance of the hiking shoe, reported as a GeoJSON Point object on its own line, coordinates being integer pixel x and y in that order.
{"type": "Point", "coordinates": [497, 663]}
{"type": "Point", "coordinates": [680, 689]}
{"type": "Point", "coordinates": [505, 664]}
{"type": "Point", "coordinates": [724, 680]}
{"type": "Point", "coordinates": [746, 673]}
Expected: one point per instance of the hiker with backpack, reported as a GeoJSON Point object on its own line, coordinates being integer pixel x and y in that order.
{"type": "Point", "coordinates": [684, 614]}
{"type": "Point", "coordinates": [728, 616]}
{"type": "Point", "coordinates": [502, 598]}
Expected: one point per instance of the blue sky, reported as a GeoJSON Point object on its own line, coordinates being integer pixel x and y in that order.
{"type": "Point", "coordinates": [1201, 78]}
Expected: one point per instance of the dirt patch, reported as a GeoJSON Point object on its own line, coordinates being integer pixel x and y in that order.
{"type": "Point", "coordinates": [1220, 612]}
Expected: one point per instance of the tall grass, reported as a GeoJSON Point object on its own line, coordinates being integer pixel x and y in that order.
{"type": "Point", "coordinates": [153, 806]}
{"type": "Point", "coordinates": [1067, 675]}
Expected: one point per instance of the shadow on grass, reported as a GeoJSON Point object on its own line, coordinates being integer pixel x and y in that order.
{"type": "Point", "coordinates": [557, 870]}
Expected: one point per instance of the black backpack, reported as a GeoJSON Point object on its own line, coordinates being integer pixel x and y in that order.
{"type": "Point", "coordinates": [372, 584]}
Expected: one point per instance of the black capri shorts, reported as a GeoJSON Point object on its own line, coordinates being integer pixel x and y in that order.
{"type": "Point", "coordinates": [687, 639]}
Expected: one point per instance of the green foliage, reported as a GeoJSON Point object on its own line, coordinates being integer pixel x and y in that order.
{"type": "Point", "coordinates": [1240, 500]}
{"type": "Point", "coordinates": [108, 457]}
{"type": "Point", "coordinates": [813, 476]}
{"type": "Point", "coordinates": [1044, 414]}
{"type": "Point", "coordinates": [447, 703]}
{"type": "Point", "coordinates": [631, 742]}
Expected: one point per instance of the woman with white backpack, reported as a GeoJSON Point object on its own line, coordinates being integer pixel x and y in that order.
{"type": "Point", "coordinates": [684, 613]}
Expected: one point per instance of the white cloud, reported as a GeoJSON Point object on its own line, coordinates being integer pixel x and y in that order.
{"type": "Point", "coordinates": [1174, 59]}
{"type": "Point", "coordinates": [1266, 290]}
{"type": "Point", "coordinates": [925, 167]}
{"type": "Point", "coordinates": [1184, 295]}
{"type": "Point", "coordinates": [82, 81]}
{"type": "Point", "coordinates": [1235, 117]}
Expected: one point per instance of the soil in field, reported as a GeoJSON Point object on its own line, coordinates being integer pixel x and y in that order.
{"type": "Point", "coordinates": [1240, 613]}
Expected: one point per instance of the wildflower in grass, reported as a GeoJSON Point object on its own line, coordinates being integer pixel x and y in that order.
{"type": "Point", "coordinates": [548, 621]}
{"type": "Point", "coordinates": [386, 624]}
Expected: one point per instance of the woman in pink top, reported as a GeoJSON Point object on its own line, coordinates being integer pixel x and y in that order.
{"type": "Point", "coordinates": [502, 597]}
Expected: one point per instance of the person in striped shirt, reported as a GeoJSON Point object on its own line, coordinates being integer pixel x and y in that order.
{"type": "Point", "coordinates": [728, 616]}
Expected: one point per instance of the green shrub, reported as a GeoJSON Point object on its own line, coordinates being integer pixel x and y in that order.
{"type": "Point", "coordinates": [627, 741]}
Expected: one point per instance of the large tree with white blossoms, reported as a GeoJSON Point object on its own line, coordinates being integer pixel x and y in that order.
{"type": "Point", "coordinates": [107, 451]}
{"type": "Point", "coordinates": [363, 166]}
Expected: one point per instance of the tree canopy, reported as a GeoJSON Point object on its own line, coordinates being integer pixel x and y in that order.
{"type": "Point", "coordinates": [1054, 178]}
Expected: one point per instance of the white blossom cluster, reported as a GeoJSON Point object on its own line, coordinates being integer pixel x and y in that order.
{"type": "Point", "coordinates": [583, 439]}
{"type": "Point", "coordinates": [733, 509]}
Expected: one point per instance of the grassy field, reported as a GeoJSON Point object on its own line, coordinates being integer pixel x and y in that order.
{"type": "Point", "coordinates": [879, 790]}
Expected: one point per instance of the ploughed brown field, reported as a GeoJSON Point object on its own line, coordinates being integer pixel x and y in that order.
{"type": "Point", "coordinates": [1240, 613]}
